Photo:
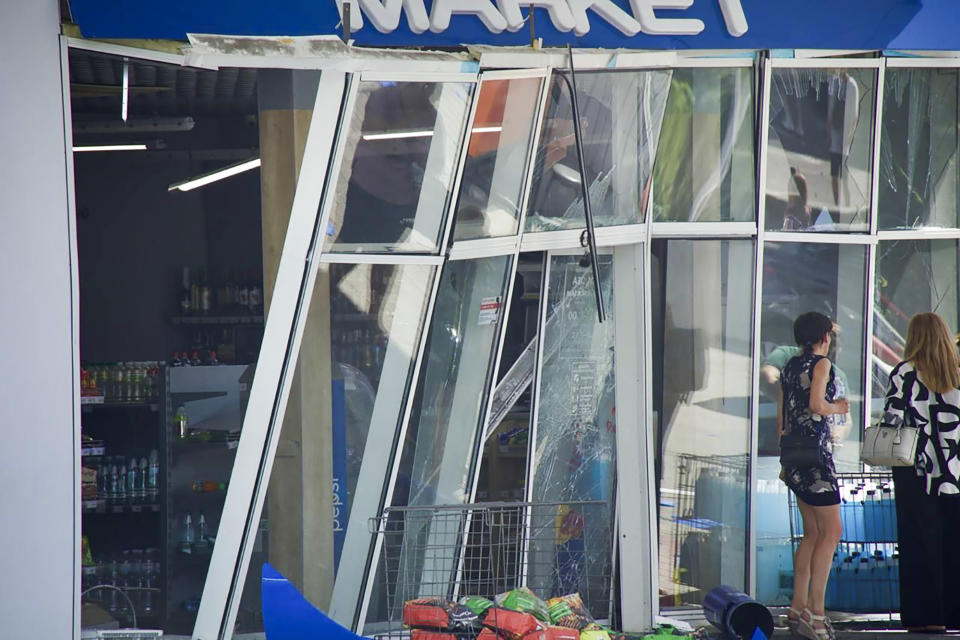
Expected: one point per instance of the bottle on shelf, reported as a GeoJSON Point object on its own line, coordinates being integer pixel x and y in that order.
{"type": "Point", "coordinates": [185, 298]}
{"type": "Point", "coordinates": [134, 485]}
{"type": "Point", "coordinates": [243, 295]}
{"type": "Point", "coordinates": [175, 361]}
{"type": "Point", "coordinates": [187, 537]}
{"type": "Point", "coordinates": [213, 359]}
{"type": "Point", "coordinates": [201, 529]}
{"type": "Point", "coordinates": [181, 421]}
{"type": "Point", "coordinates": [121, 495]}
{"type": "Point", "coordinates": [144, 495]}
{"type": "Point", "coordinates": [153, 475]}
{"type": "Point", "coordinates": [195, 359]}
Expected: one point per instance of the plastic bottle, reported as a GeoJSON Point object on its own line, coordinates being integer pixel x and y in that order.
{"type": "Point", "coordinates": [181, 421]}
{"type": "Point", "coordinates": [188, 536]}
{"type": "Point", "coordinates": [121, 495]}
{"type": "Point", "coordinates": [134, 482]}
{"type": "Point", "coordinates": [144, 477]}
{"type": "Point", "coordinates": [201, 528]}
{"type": "Point", "coordinates": [153, 475]}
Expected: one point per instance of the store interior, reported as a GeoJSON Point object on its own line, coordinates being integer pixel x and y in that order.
{"type": "Point", "coordinates": [171, 319]}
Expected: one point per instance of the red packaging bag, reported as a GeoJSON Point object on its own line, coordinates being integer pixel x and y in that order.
{"type": "Point", "coordinates": [512, 625]}
{"type": "Point", "coordinates": [488, 634]}
{"type": "Point", "coordinates": [432, 613]}
{"type": "Point", "coordinates": [554, 633]}
{"type": "Point", "coordinates": [423, 634]}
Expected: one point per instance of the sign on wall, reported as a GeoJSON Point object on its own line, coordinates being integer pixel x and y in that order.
{"type": "Point", "coordinates": [635, 24]}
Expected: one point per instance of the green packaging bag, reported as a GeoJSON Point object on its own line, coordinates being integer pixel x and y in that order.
{"type": "Point", "coordinates": [477, 604]}
{"type": "Point", "coordinates": [526, 601]}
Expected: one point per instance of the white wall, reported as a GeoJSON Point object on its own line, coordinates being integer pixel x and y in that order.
{"type": "Point", "coordinates": [36, 367]}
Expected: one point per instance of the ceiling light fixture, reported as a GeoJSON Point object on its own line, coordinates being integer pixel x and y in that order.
{"type": "Point", "coordinates": [213, 176]}
{"type": "Point", "coordinates": [112, 147]}
{"type": "Point", "coordinates": [423, 133]}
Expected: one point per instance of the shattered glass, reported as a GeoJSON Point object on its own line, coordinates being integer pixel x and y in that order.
{"type": "Point", "coordinates": [620, 117]}
{"type": "Point", "coordinates": [919, 146]}
{"type": "Point", "coordinates": [573, 464]}
{"type": "Point", "coordinates": [819, 151]}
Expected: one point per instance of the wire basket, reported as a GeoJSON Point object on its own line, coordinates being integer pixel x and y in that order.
{"type": "Point", "coordinates": [483, 549]}
{"type": "Point", "coordinates": [865, 576]}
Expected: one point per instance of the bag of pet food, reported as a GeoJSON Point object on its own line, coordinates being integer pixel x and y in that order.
{"type": "Point", "coordinates": [424, 634]}
{"type": "Point", "coordinates": [594, 634]}
{"type": "Point", "coordinates": [554, 633]}
{"type": "Point", "coordinates": [522, 599]}
{"type": "Point", "coordinates": [488, 634]}
{"type": "Point", "coordinates": [569, 611]}
{"type": "Point", "coordinates": [477, 604]}
{"type": "Point", "coordinates": [432, 613]}
{"type": "Point", "coordinates": [511, 625]}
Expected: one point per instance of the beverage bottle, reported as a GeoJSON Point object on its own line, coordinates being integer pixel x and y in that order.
{"type": "Point", "coordinates": [185, 291]}
{"type": "Point", "coordinates": [175, 361]}
{"type": "Point", "coordinates": [114, 579]}
{"type": "Point", "coordinates": [185, 358]}
{"type": "Point", "coordinates": [213, 359]}
{"type": "Point", "coordinates": [243, 295]}
{"type": "Point", "coordinates": [256, 297]}
{"type": "Point", "coordinates": [114, 479]}
{"type": "Point", "coordinates": [103, 482]}
{"type": "Point", "coordinates": [188, 536]}
{"type": "Point", "coordinates": [153, 475]}
{"type": "Point", "coordinates": [119, 382]}
{"type": "Point", "coordinates": [205, 301]}
{"type": "Point", "coordinates": [144, 471]}
{"type": "Point", "coordinates": [121, 495]}
{"type": "Point", "coordinates": [201, 528]}
{"type": "Point", "coordinates": [134, 483]}
{"type": "Point", "coordinates": [180, 421]}
{"type": "Point", "coordinates": [195, 359]}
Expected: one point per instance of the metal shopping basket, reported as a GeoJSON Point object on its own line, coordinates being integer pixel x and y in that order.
{"type": "Point", "coordinates": [451, 551]}
{"type": "Point", "coordinates": [865, 577]}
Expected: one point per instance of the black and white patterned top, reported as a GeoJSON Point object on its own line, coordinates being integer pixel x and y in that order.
{"type": "Point", "coordinates": [938, 417]}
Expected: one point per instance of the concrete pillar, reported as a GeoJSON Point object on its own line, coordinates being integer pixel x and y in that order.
{"type": "Point", "coordinates": [300, 497]}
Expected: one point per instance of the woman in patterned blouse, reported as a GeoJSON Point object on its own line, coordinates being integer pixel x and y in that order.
{"type": "Point", "coordinates": [924, 391]}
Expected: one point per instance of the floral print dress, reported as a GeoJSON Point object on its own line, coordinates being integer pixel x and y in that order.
{"type": "Point", "coordinates": [815, 485]}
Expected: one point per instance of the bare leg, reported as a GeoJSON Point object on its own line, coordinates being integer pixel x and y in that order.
{"type": "Point", "coordinates": [828, 524]}
{"type": "Point", "coordinates": [801, 563]}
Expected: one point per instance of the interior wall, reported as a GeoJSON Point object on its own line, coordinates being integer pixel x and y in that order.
{"type": "Point", "coordinates": [37, 461]}
{"type": "Point", "coordinates": [135, 237]}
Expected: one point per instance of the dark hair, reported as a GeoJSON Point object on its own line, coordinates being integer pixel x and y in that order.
{"type": "Point", "coordinates": [809, 327]}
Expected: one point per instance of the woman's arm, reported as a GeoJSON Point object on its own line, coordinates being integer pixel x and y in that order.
{"type": "Point", "coordinates": [818, 392]}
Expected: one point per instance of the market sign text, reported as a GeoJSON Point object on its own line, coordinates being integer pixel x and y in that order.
{"type": "Point", "coordinates": [566, 15]}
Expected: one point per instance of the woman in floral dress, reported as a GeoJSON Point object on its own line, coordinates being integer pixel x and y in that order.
{"type": "Point", "coordinates": [808, 397]}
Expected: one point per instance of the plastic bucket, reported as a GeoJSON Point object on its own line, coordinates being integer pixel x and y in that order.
{"type": "Point", "coordinates": [736, 614]}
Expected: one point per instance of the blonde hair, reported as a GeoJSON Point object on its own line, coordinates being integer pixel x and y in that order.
{"type": "Point", "coordinates": [933, 352]}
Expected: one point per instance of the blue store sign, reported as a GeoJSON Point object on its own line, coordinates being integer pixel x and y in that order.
{"type": "Point", "coordinates": [634, 24]}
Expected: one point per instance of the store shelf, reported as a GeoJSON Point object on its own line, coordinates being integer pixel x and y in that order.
{"type": "Point", "coordinates": [115, 404]}
{"type": "Point", "coordinates": [93, 450]}
{"type": "Point", "coordinates": [231, 320]}
{"type": "Point", "coordinates": [100, 506]}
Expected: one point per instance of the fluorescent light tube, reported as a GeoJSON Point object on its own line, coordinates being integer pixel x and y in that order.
{"type": "Point", "coordinates": [112, 147]}
{"type": "Point", "coordinates": [424, 133]}
{"type": "Point", "coordinates": [213, 176]}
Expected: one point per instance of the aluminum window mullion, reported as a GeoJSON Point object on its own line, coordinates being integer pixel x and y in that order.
{"type": "Point", "coordinates": [371, 562]}
{"type": "Point", "coordinates": [875, 160]}
{"type": "Point", "coordinates": [653, 511]}
{"type": "Point", "coordinates": [921, 233]}
{"type": "Point", "coordinates": [703, 229]}
{"type": "Point", "coordinates": [270, 389]}
{"type": "Point", "coordinates": [825, 63]}
{"type": "Point", "coordinates": [751, 574]}
{"type": "Point", "coordinates": [381, 258]}
{"type": "Point", "coordinates": [914, 63]}
{"type": "Point", "coordinates": [534, 417]}
{"type": "Point", "coordinates": [820, 238]}
{"type": "Point", "coordinates": [868, 311]}
{"type": "Point", "coordinates": [417, 76]}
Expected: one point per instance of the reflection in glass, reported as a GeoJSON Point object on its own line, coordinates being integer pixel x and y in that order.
{"type": "Point", "coordinates": [818, 156]}
{"type": "Point", "coordinates": [398, 167]}
{"type": "Point", "coordinates": [360, 343]}
{"type": "Point", "coordinates": [702, 397]}
{"type": "Point", "coordinates": [496, 164]}
{"type": "Point", "coordinates": [575, 456]}
{"type": "Point", "coordinates": [705, 167]}
{"type": "Point", "coordinates": [800, 277]}
{"type": "Point", "coordinates": [912, 276]}
{"type": "Point", "coordinates": [438, 454]}
{"type": "Point", "coordinates": [620, 116]}
{"type": "Point", "coordinates": [918, 149]}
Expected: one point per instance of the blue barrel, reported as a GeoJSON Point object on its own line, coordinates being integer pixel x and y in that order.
{"type": "Point", "coordinates": [736, 614]}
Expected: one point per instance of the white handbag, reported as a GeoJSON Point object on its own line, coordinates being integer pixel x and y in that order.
{"type": "Point", "coordinates": [886, 445]}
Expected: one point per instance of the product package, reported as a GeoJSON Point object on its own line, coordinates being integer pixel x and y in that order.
{"type": "Point", "coordinates": [524, 600]}
{"type": "Point", "coordinates": [594, 634]}
{"type": "Point", "coordinates": [554, 633]}
{"type": "Point", "coordinates": [425, 634]}
{"type": "Point", "coordinates": [569, 611]}
{"type": "Point", "coordinates": [511, 625]}
{"type": "Point", "coordinates": [476, 604]}
{"type": "Point", "coordinates": [436, 613]}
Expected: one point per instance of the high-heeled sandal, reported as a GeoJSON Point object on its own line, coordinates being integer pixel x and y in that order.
{"type": "Point", "coordinates": [806, 629]}
{"type": "Point", "coordinates": [790, 623]}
